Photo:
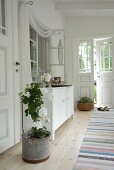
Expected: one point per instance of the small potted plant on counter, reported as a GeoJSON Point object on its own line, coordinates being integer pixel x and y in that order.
{"type": "Point", "coordinates": [46, 79]}
{"type": "Point", "coordinates": [85, 104]}
{"type": "Point", "coordinates": [35, 142]}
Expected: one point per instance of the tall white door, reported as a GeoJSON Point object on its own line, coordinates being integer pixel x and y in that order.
{"type": "Point", "coordinates": [105, 73]}
{"type": "Point", "coordinates": [6, 77]}
{"type": "Point", "coordinates": [84, 69]}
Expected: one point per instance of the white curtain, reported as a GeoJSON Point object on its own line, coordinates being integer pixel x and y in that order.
{"type": "Point", "coordinates": [24, 45]}
{"type": "Point", "coordinates": [38, 26]}
{"type": "Point", "coordinates": [26, 18]}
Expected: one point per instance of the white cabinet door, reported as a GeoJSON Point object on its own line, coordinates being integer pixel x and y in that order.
{"type": "Point", "coordinates": [69, 101]}
{"type": "Point", "coordinates": [48, 106]}
{"type": "Point", "coordinates": [58, 107]}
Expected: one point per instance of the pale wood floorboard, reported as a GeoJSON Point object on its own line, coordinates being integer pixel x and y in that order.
{"type": "Point", "coordinates": [63, 151]}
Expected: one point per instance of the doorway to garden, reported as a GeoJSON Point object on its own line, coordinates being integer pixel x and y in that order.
{"type": "Point", "coordinates": [94, 72]}
{"type": "Point", "coordinates": [102, 57]}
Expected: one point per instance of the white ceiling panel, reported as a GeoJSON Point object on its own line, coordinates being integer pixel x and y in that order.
{"type": "Point", "coordinates": [57, 1]}
{"type": "Point", "coordinates": [85, 7]}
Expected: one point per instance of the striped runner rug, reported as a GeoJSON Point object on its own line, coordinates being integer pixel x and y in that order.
{"type": "Point", "coordinates": [97, 149]}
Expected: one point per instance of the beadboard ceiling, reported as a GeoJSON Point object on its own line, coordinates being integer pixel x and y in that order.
{"type": "Point", "coordinates": [85, 7]}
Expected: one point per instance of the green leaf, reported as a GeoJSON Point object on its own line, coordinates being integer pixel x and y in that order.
{"type": "Point", "coordinates": [26, 112]}
{"type": "Point", "coordinates": [32, 98]}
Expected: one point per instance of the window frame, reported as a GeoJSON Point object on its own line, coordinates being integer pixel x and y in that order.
{"type": "Point", "coordinates": [103, 58]}
{"type": "Point", "coordinates": [3, 29]}
{"type": "Point", "coordinates": [35, 42]}
{"type": "Point", "coordinates": [87, 58]}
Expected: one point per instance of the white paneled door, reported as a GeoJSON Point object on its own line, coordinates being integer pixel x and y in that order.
{"type": "Point", "coordinates": [84, 69]}
{"type": "Point", "coordinates": [105, 75]}
{"type": "Point", "coordinates": [6, 77]}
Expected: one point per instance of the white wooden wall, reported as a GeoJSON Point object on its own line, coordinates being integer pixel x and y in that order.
{"type": "Point", "coordinates": [89, 26]}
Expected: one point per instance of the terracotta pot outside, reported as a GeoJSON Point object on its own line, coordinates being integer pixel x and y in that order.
{"type": "Point", "coordinates": [85, 106]}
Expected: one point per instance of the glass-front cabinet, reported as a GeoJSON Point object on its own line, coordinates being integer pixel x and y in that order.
{"type": "Point", "coordinates": [56, 54]}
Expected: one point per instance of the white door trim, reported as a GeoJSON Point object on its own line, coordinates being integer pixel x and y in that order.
{"type": "Point", "coordinates": [16, 73]}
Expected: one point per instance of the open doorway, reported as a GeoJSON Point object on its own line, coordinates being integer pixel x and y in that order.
{"type": "Point", "coordinates": [94, 72]}
{"type": "Point", "coordinates": [103, 72]}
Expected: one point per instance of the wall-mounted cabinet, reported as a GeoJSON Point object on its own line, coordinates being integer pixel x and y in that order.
{"type": "Point", "coordinates": [56, 54]}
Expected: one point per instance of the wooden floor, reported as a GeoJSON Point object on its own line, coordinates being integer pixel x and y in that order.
{"type": "Point", "coordinates": [63, 151]}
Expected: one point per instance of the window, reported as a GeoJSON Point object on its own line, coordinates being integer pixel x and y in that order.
{"type": "Point", "coordinates": [106, 56]}
{"type": "Point", "coordinates": [56, 54]}
{"type": "Point", "coordinates": [84, 57]}
{"type": "Point", "coordinates": [33, 54]}
{"type": "Point", "coordinates": [42, 54]}
{"type": "Point", "coordinates": [2, 17]}
{"type": "Point", "coordinates": [38, 55]}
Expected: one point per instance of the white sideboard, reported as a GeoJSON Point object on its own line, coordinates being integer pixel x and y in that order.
{"type": "Point", "coordinates": [60, 108]}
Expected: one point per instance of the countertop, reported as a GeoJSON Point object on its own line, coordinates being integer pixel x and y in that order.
{"type": "Point", "coordinates": [61, 85]}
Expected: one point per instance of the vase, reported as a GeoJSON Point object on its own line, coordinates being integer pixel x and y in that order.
{"type": "Point", "coordinates": [47, 84]}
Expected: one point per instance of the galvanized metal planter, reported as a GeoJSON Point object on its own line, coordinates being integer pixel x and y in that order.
{"type": "Point", "coordinates": [35, 150]}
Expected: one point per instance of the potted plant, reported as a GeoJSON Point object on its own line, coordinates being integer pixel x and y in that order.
{"type": "Point", "coordinates": [46, 78]}
{"type": "Point", "coordinates": [85, 104]}
{"type": "Point", "coordinates": [35, 142]}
